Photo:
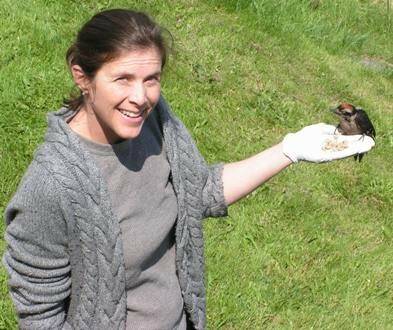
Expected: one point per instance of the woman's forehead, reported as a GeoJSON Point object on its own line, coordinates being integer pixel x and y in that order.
{"type": "Point", "coordinates": [139, 62]}
{"type": "Point", "coordinates": [136, 58]}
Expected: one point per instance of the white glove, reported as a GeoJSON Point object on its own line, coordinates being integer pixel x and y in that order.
{"type": "Point", "coordinates": [322, 143]}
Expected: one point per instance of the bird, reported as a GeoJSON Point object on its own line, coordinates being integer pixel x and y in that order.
{"type": "Point", "coordinates": [354, 120]}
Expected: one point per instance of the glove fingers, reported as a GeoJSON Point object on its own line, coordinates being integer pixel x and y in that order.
{"type": "Point", "coordinates": [364, 145]}
{"type": "Point", "coordinates": [345, 153]}
{"type": "Point", "coordinates": [361, 142]}
{"type": "Point", "coordinates": [356, 146]}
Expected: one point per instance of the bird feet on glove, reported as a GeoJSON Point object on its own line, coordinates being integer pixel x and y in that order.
{"type": "Point", "coordinates": [321, 143]}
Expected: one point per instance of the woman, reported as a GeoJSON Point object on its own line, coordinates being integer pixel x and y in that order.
{"type": "Point", "coordinates": [105, 231]}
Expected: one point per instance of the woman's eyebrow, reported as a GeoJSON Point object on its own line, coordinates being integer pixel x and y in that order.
{"type": "Point", "coordinates": [157, 73]}
{"type": "Point", "coordinates": [132, 75]}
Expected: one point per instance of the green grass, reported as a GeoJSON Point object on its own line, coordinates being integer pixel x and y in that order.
{"type": "Point", "coordinates": [311, 249]}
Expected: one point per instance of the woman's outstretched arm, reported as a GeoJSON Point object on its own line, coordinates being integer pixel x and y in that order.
{"type": "Point", "coordinates": [242, 177]}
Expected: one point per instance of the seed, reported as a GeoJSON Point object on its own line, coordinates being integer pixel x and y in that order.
{"type": "Point", "coordinates": [334, 145]}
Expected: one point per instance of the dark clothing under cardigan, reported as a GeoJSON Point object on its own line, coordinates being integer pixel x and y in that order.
{"type": "Point", "coordinates": [65, 254]}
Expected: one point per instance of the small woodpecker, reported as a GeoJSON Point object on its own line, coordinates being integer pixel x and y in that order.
{"type": "Point", "coordinates": [354, 121]}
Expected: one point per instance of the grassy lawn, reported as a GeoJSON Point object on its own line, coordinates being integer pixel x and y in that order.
{"type": "Point", "coordinates": [310, 249]}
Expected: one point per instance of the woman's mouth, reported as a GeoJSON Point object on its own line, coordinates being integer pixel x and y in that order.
{"type": "Point", "coordinates": [131, 114]}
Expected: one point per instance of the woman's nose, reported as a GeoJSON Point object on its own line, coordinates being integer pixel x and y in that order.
{"type": "Point", "coordinates": [137, 94]}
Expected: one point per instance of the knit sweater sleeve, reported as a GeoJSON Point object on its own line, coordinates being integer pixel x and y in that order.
{"type": "Point", "coordinates": [36, 257]}
{"type": "Point", "coordinates": [213, 192]}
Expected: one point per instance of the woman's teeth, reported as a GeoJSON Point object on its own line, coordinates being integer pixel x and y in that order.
{"type": "Point", "coordinates": [130, 114]}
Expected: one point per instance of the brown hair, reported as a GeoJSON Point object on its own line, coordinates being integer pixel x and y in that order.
{"type": "Point", "coordinates": [106, 35]}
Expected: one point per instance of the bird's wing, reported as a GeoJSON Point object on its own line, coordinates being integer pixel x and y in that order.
{"type": "Point", "coordinates": [364, 123]}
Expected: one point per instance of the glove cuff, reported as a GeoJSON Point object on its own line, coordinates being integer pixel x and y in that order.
{"type": "Point", "coordinates": [288, 148]}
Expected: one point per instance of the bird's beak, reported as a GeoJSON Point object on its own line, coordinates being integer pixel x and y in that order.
{"type": "Point", "coordinates": [334, 110]}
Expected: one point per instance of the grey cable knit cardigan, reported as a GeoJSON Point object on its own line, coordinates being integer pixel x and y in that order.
{"type": "Point", "coordinates": [64, 255]}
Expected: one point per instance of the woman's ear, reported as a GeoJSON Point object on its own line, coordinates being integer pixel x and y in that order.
{"type": "Point", "coordinates": [80, 78]}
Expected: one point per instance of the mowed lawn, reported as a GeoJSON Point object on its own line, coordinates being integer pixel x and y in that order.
{"type": "Point", "coordinates": [312, 248]}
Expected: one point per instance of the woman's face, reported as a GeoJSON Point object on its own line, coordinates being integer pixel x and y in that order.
{"type": "Point", "coordinates": [121, 96]}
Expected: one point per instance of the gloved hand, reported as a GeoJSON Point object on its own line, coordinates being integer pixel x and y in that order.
{"type": "Point", "coordinates": [322, 143]}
